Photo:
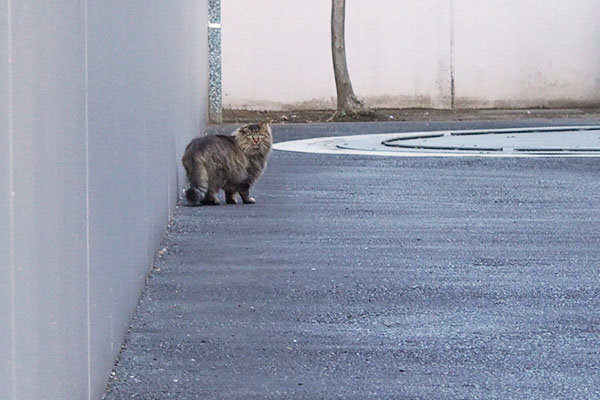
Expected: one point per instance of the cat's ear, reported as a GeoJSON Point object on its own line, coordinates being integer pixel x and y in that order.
{"type": "Point", "coordinates": [266, 124]}
{"type": "Point", "coordinates": [265, 128]}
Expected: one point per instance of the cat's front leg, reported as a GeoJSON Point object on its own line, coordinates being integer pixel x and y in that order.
{"type": "Point", "coordinates": [244, 191]}
{"type": "Point", "coordinates": [230, 196]}
{"type": "Point", "coordinates": [211, 197]}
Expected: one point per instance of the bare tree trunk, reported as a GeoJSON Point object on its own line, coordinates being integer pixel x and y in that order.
{"type": "Point", "coordinates": [347, 103]}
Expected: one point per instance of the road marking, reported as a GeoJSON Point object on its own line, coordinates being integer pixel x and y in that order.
{"type": "Point", "coordinates": [372, 144]}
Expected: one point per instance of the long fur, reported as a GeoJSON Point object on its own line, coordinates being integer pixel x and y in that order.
{"type": "Point", "coordinates": [232, 163]}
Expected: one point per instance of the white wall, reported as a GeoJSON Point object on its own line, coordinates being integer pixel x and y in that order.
{"type": "Point", "coordinates": [275, 51]}
{"type": "Point", "coordinates": [497, 53]}
{"type": "Point", "coordinates": [527, 53]}
{"type": "Point", "coordinates": [97, 102]}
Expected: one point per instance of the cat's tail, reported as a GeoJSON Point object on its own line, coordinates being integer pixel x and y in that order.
{"type": "Point", "coordinates": [198, 180]}
{"type": "Point", "coordinates": [193, 197]}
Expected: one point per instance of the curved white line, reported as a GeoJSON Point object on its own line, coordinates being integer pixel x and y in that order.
{"type": "Point", "coordinates": [328, 145]}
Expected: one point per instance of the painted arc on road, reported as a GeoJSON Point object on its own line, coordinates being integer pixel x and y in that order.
{"type": "Point", "coordinates": [562, 141]}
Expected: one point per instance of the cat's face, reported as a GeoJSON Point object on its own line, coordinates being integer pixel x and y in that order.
{"type": "Point", "coordinates": [255, 139]}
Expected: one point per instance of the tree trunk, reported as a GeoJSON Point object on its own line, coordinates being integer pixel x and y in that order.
{"type": "Point", "coordinates": [347, 103]}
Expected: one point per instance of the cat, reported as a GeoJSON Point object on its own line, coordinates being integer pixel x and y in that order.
{"type": "Point", "coordinates": [229, 162]}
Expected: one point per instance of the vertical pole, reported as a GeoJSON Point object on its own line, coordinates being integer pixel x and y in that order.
{"type": "Point", "coordinates": [215, 106]}
{"type": "Point", "coordinates": [452, 83]}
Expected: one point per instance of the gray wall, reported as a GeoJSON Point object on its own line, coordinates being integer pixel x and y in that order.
{"type": "Point", "coordinates": [97, 101]}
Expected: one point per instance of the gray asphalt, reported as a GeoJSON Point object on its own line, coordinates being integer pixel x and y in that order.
{"type": "Point", "coordinates": [362, 277]}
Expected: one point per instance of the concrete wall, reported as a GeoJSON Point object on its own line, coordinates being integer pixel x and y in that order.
{"type": "Point", "coordinates": [414, 53]}
{"type": "Point", "coordinates": [97, 101]}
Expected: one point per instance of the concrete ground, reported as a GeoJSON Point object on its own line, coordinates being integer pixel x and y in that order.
{"type": "Point", "coordinates": [362, 277]}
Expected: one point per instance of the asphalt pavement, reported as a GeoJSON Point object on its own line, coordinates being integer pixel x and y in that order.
{"type": "Point", "coordinates": [365, 277]}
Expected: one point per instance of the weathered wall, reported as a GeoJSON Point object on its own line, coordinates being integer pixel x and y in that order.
{"type": "Point", "coordinates": [414, 53]}
{"type": "Point", "coordinates": [523, 53]}
{"type": "Point", "coordinates": [97, 101]}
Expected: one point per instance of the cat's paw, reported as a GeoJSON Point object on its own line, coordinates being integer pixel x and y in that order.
{"type": "Point", "coordinates": [231, 201]}
{"type": "Point", "coordinates": [210, 202]}
{"type": "Point", "coordinates": [250, 200]}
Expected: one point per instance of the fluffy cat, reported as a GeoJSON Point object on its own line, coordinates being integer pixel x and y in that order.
{"type": "Point", "coordinates": [232, 163]}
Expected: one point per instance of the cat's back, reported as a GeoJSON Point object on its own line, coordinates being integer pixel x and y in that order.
{"type": "Point", "coordinates": [218, 154]}
{"type": "Point", "coordinates": [219, 143]}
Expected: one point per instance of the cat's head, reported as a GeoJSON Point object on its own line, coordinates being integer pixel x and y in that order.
{"type": "Point", "coordinates": [255, 139]}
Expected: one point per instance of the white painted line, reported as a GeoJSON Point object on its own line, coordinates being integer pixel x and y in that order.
{"type": "Point", "coordinates": [329, 145]}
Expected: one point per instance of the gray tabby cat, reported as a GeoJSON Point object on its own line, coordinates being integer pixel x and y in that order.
{"type": "Point", "coordinates": [232, 163]}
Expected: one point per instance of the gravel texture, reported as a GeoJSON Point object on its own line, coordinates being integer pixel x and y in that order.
{"type": "Point", "coordinates": [361, 277]}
